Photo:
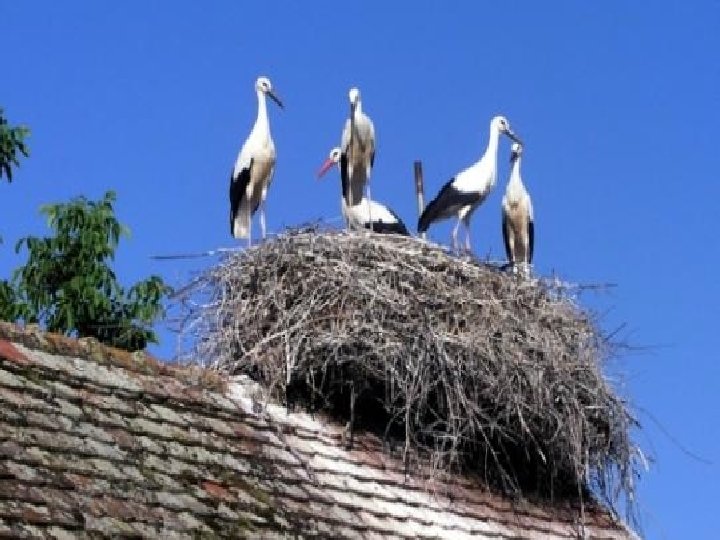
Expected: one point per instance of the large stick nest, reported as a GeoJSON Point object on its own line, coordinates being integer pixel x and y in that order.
{"type": "Point", "coordinates": [470, 367]}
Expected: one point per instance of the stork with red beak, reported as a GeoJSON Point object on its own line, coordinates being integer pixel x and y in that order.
{"type": "Point", "coordinates": [364, 213]}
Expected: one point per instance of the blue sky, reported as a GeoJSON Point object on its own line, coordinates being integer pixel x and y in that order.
{"type": "Point", "coordinates": [618, 104]}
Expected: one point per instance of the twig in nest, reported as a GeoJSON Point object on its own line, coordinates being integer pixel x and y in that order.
{"type": "Point", "coordinates": [472, 368]}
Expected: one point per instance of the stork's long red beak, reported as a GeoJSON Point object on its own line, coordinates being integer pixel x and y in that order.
{"type": "Point", "coordinates": [325, 167]}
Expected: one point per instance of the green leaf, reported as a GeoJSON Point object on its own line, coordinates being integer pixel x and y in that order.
{"type": "Point", "coordinates": [12, 142]}
{"type": "Point", "coordinates": [69, 285]}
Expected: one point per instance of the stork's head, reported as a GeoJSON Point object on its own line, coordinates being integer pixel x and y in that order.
{"type": "Point", "coordinates": [501, 124]}
{"type": "Point", "coordinates": [516, 152]}
{"type": "Point", "coordinates": [332, 159]}
{"type": "Point", "coordinates": [264, 85]}
{"type": "Point", "coordinates": [354, 97]}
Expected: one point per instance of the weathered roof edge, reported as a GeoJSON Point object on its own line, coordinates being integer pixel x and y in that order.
{"type": "Point", "coordinates": [33, 337]}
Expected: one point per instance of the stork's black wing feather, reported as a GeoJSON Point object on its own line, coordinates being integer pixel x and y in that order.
{"type": "Point", "coordinates": [344, 178]}
{"type": "Point", "coordinates": [400, 227]}
{"type": "Point", "coordinates": [388, 228]}
{"type": "Point", "coordinates": [506, 239]}
{"type": "Point", "coordinates": [238, 187]}
{"type": "Point", "coordinates": [531, 235]}
{"type": "Point", "coordinates": [448, 202]}
{"type": "Point", "coordinates": [396, 227]}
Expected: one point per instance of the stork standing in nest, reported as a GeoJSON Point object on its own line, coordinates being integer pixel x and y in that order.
{"type": "Point", "coordinates": [517, 218]}
{"type": "Point", "coordinates": [357, 149]}
{"type": "Point", "coordinates": [254, 169]}
{"type": "Point", "coordinates": [365, 213]}
{"type": "Point", "coordinates": [461, 195]}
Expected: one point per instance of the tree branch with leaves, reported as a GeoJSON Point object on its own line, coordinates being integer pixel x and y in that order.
{"type": "Point", "coordinates": [68, 285]}
{"type": "Point", "coordinates": [12, 144]}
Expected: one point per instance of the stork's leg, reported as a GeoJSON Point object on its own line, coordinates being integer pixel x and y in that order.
{"type": "Point", "coordinates": [262, 219]}
{"type": "Point", "coordinates": [466, 223]}
{"type": "Point", "coordinates": [455, 235]}
{"type": "Point", "coordinates": [369, 200]}
{"type": "Point", "coordinates": [249, 240]}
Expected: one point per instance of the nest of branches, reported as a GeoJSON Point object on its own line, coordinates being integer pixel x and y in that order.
{"type": "Point", "coordinates": [461, 365]}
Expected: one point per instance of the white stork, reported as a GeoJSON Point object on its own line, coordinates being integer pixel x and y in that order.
{"type": "Point", "coordinates": [365, 213]}
{"type": "Point", "coordinates": [357, 150]}
{"type": "Point", "coordinates": [517, 217]}
{"type": "Point", "coordinates": [254, 169]}
{"type": "Point", "coordinates": [460, 196]}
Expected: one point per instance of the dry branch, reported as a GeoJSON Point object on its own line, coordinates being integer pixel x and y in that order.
{"type": "Point", "coordinates": [458, 362]}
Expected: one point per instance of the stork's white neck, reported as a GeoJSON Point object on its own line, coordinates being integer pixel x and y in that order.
{"type": "Point", "coordinates": [515, 188]}
{"type": "Point", "coordinates": [261, 123]}
{"type": "Point", "coordinates": [356, 110]}
{"type": "Point", "coordinates": [492, 146]}
{"type": "Point", "coordinates": [515, 172]}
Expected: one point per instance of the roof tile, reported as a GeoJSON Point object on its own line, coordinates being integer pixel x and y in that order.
{"type": "Point", "coordinates": [95, 441]}
{"type": "Point", "coordinates": [9, 352]}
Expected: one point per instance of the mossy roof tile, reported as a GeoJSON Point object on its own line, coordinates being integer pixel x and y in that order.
{"type": "Point", "coordinates": [100, 442]}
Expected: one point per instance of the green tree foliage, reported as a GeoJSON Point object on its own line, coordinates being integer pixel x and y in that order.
{"type": "Point", "coordinates": [10, 308]}
{"type": "Point", "coordinates": [68, 285]}
{"type": "Point", "coordinates": [12, 143]}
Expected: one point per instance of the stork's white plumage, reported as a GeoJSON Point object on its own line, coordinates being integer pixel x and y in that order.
{"type": "Point", "coordinates": [374, 216]}
{"type": "Point", "coordinates": [517, 217]}
{"type": "Point", "coordinates": [357, 147]}
{"type": "Point", "coordinates": [364, 213]}
{"type": "Point", "coordinates": [254, 169]}
{"type": "Point", "coordinates": [460, 196]}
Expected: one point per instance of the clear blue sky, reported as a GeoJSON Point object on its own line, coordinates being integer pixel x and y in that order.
{"type": "Point", "coordinates": [618, 103]}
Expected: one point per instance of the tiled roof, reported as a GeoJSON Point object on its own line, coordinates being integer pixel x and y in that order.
{"type": "Point", "coordinates": [97, 442]}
